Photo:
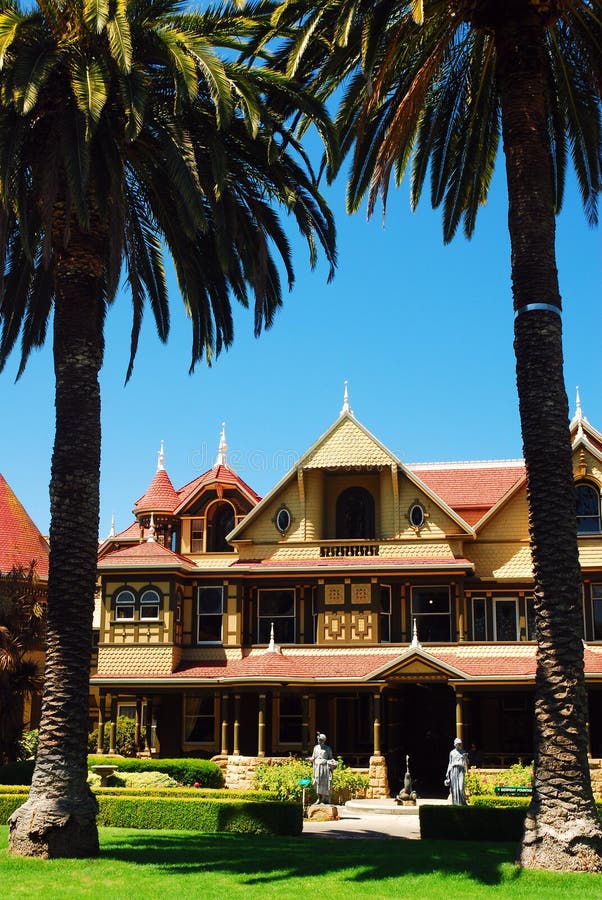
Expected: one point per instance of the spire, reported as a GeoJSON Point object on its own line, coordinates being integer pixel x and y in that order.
{"type": "Point", "coordinates": [272, 646]}
{"type": "Point", "coordinates": [223, 448]}
{"type": "Point", "coordinates": [579, 411]}
{"type": "Point", "coordinates": [578, 420]}
{"type": "Point", "coordinates": [112, 531]}
{"type": "Point", "coordinates": [161, 459]}
{"type": "Point", "coordinates": [151, 529]}
{"type": "Point", "coordinates": [415, 642]}
{"type": "Point", "coordinates": [346, 408]}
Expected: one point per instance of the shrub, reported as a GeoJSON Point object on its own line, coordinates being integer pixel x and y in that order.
{"type": "Point", "coordinates": [137, 780]}
{"type": "Point", "coordinates": [28, 745]}
{"type": "Point", "coordinates": [125, 744]}
{"type": "Point", "coordinates": [483, 781]}
{"type": "Point", "coordinates": [185, 771]}
{"type": "Point", "coordinates": [283, 779]}
{"type": "Point", "coordinates": [470, 823]}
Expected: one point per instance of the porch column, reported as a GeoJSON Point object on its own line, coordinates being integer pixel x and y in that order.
{"type": "Point", "coordinates": [460, 716]}
{"type": "Point", "coordinates": [261, 726]}
{"type": "Point", "coordinates": [236, 748]}
{"type": "Point", "coordinates": [149, 725]}
{"type": "Point", "coordinates": [138, 724]}
{"type": "Point", "coordinates": [113, 725]}
{"type": "Point", "coordinates": [224, 747]}
{"type": "Point", "coordinates": [101, 722]}
{"type": "Point", "coordinates": [305, 724]}
{"type": "Point", "coordinates": [376, 725]}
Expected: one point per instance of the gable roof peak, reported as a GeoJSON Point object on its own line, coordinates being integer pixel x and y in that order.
{"type": "Point", "coordinates": [346, 409]}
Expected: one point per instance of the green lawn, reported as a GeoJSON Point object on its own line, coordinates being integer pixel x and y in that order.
{"type": "Point", "coordinates": [156, 865]}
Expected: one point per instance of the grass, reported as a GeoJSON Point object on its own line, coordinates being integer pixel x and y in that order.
{"type": "Point", "coordinates": [154, 865]}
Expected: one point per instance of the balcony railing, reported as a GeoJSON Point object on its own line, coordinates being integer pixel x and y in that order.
{"type": "Point", "coordinates": [341, 550]}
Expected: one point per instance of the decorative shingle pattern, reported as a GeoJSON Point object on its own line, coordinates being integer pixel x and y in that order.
{"type": "Point", "coordinates": [150, 659]}
{"type": "Point", "coordinates": [20, 540]}
{"type": "Point", "coordinates": [148, 553]}
{"type": "Point", "coordinates": [161, 495]}
{"type": "Point", "coordinates": [348, 445]}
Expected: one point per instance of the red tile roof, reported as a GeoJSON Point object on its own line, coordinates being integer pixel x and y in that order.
{"type": "Point", "coordinates": [148, 554]}
{"type": "Point", "coordinates": [361, 562]}
{"type": "Point", "coordinates": [20, 540]}
{"type": "Point", "coordinates": [219, 474]}
{"type": "Point", "coordinates": [478, 662]}
{"type": "Point", "coordinates": [470, 489]}
{"type": "Point", "coordinates": [161, 495]}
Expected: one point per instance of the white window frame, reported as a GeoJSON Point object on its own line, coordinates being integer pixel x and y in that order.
{"type": "Point", "coordinates": [482, 600]}
{"type": "Point", "coordinates": [146, 603]}
{"type": "Point", "coordinates": [212, 587]}
{"type": "Point", "coordinates": [504, 599]}
{"type": "Point", "coordinates": [273, 618]}
{"type": "Point", "coordinates": [123, 604]}
{"type": "Point", "coordinates": [529, 600]}
{"type": "Point", "coordinates": [384, 616]}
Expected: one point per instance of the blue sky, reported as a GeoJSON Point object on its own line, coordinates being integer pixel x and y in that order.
{"type": "Point", "coordinates": [422, 331]}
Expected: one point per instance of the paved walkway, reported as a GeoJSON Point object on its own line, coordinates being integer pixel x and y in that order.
{"type": "Point", "coordinates": [370, 819]}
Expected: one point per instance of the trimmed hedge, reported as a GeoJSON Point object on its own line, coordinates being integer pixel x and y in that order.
{"type": "Point", "coordinates": [488, 818]}
{"type": "Point", "coordinates": [471, 823]}
{"type": "Point", "coordinates": [195, 793]}
{"type": "Point", "coordinates": [186, 770]}
{"type": "Point", "coordinates": [186, 813]}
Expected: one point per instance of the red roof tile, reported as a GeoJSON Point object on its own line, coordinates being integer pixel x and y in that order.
{"type": "Point", "coordinates": [20, 540]}
{"type": "Point", "coordinates": [219, 474]}
{"type": "Point", "coordinates": [470, 487]}
{"type": "Point", "coordinates": [362, 562]}
{"type": "Point", "coordinates": [148, 553]}
{"type": "Point", "coordinates": [161, 495]}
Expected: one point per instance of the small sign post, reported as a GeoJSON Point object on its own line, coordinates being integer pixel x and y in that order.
{"type": "Point", "coordinates": [304, 782]}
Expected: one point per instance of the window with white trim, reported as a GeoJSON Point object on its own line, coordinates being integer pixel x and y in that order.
{"type": "Point", "coordinates": [384, 614]}
{"type": "Point", "coordinates": [587, 497]}
{"type": "Point", "coordinates": [276, 606]}
{"type": "Point", "coordinates": [210, 611]}
{"type": "Point", "coordinates": [125, 605]}
{"type": "Point", "coordinates": [530, 618]}
{"type": "Point", "coordinates": [505, 619]}
{"type": "Point", "coordinates": [150, 604]}
{"type": "Point", "coordinates": [479, 619]}
{"type": "Point", "coordinates": [431, 608]}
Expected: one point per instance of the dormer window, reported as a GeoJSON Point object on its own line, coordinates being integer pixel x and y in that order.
{"type": "Point", "coordinates": [588, 508]}
{"type": "Point", "coordinates": [220, 522]}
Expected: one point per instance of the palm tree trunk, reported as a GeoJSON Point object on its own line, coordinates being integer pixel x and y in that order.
{"type": "Point", "coordinates": [562, 828]}
{"type": "Point", "coordinates": [59, 817]}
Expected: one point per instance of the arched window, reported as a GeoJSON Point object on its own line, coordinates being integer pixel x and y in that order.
{"type": "Point", "coordinates": [588, 508]}
{"type": "Point", "coordinates": [355, 514]}
{"type": "Point", "coordinates": [220, 522]}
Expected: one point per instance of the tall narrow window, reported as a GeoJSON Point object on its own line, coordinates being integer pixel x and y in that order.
{"type": "Point", "coordinates": [479, 619]}
{"type": "Point", "coordinates": [597, 611]}
{"type": "Point", "coordinates": [276, 607]}
{"type": "Point", "coordinates": [505, 619]}
{"type": "Point", "coordinates": [588, 508]}
{"type": "Point", "coordinates": [384, 614]}
{"type": "Point", "coordinates": [199, 719]}
{"type": "Point", "coordinates": [196, 535]}
{"type": "Point", "coordinates": [355, 514]}
{"type": "Point", "coordinates": [220, 522]}
{"type": "Point", "coordinates": [210, 615]}
{"type": "Point", "coordinates": [290, 724]}
{"type": "Point", "coordinates": [432, 611]}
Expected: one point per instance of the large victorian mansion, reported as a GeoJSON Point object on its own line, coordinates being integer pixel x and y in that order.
{"type": "Point", "coordinates": [388, 605]}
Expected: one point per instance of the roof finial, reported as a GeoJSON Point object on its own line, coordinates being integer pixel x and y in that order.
{"type": "Point", "coordinates": [151, 529]}
{"type": "Point", "coordinates": [578, 411]}
{"type": "Point", "coordinates": [223, 448]}
{"type": "Point", "coordinates": [112, 531]}
{"type": "Point", "coordinates": [161, 459]}
{"type": "Point", "coordinates": [346, 408]}
{"type": "Point", "coordinates": [272, 646]}
{"type": "Point", "coordinates": [415, 642]}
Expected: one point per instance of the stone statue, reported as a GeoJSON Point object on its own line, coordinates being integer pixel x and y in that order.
{"type": "Point", "coordinates": [323, 763]}
{"type": "Point", "coordinates": [407, 796]}
{"type": "Point", "coordinates": [456, 770]}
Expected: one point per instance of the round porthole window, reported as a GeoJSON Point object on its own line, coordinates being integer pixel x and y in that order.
{"type": "Point", "coordinates": [416, 515]}
{"type": "Point", "coordinates": [283, 520]}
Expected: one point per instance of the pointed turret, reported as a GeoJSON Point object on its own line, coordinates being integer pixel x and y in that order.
{"type": "Point", "coordinates": [157, 505]}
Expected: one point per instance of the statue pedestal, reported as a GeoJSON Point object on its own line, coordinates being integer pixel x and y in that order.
{"type": "Point", "coordinates": [322, 812]}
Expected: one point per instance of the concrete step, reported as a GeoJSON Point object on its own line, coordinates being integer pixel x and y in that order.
{"type": "Point", "coordinates": [388, 807]}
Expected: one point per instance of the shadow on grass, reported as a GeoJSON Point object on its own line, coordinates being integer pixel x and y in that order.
{"type": "Point", "coordinates": [266, 860]}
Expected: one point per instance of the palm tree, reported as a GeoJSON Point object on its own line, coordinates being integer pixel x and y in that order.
{"type": "Point", "coordinates": [22, 626]}
{"type": "Point", "coordinates": [121, 128]}
{"type": "Point", "coordinates": [432, 85]}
